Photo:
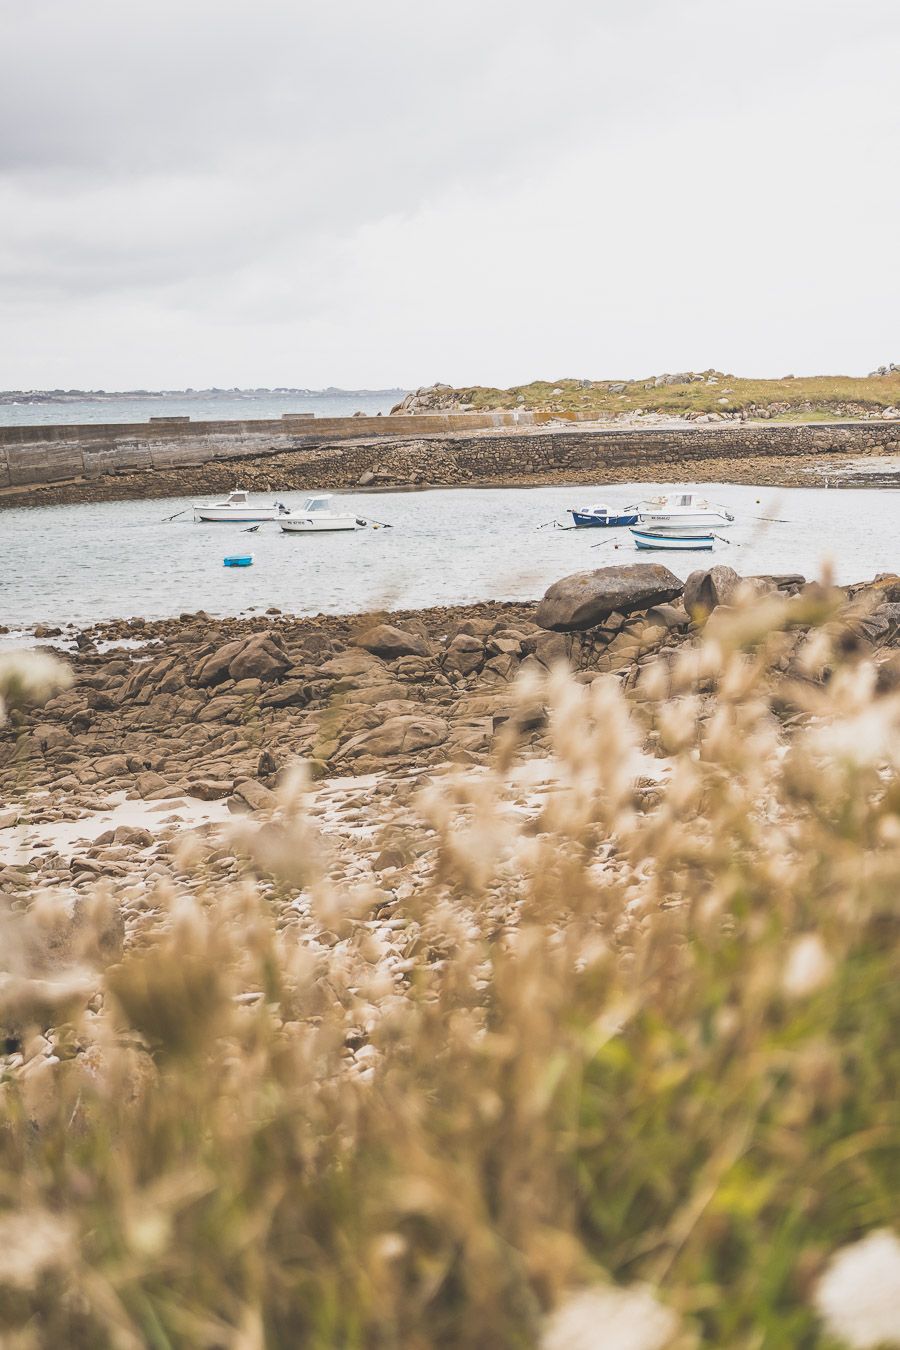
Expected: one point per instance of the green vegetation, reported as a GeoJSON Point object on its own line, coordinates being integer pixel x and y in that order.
{"type": "Point", "coordinates": [825, 396]}
{"type": "Point", "coordinates": [644, 1034]}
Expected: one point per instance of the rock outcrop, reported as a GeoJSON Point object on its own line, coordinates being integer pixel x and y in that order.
{"type": "Point", "coordinates": [259, 657]}
{"type": "Point", "coordinates": [585, 599]}
{"type": "Point", "coordinates": [707, 588]}
{"type": "Point", "coordinates": [388, 642]}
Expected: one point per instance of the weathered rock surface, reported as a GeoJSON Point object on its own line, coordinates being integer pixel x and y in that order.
{"type": "Point", "coordinates": [710, 587]}
{"type": "Point", "coordinates": [258, 657]}
{"type": "Point", "coordinates": [261, 658]}
{"type": "Point", "coordinates": [389, 643]}
{"type": "Point", "coordinates": [464, 655]}
{"type": "Point", "coordinates": [707, 588]}
{"type": "Point", "coordinates": [218, 710]}
{"type": "Point", "coordinates": [585, 599]}
{"type": "Point", "coordinates": [402, 735]}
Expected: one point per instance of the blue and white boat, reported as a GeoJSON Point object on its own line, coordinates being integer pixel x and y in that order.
{"type": "Point", "coordinates": [682, 542]}
{"type": "Point", "coordinates": [600, 515]}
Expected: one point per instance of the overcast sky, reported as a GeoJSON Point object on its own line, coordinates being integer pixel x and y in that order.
{"type": "Point", "coordinates": [265, 192]}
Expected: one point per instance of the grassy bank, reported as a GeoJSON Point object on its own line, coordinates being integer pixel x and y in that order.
{"type": "Point", "coordinates": [810, 398]}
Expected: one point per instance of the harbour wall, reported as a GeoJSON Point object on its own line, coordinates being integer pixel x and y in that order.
{"type": "Point", "coordinates": [32, 455]}
{"type": "Point", "coordinates": [91, 463]}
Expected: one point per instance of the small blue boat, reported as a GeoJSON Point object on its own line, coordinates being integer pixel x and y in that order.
{"type": "Point", "coordinates": [239, 560]}
{"type": "Point", "coordinates": [600, 515]}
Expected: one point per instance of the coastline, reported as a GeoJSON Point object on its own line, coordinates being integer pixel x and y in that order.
{"type": "Point", "coordinates": [863, 454]}
{"type": "Point", "coordinates": [456, 816]}
{"type": "Point", "coordinates": [173, 713]}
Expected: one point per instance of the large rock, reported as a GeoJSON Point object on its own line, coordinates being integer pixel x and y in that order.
{"type": "Point", "coordinates": [213, 669]}
{"type": "Point", "coordinates": [388, 642]}
{"type": "Point", "coordinates": [548, 648]}
{"type": "Point", "coordinates": [720, 585]}
{"type": "Point", "coordinates": [464, 655]}
{"type": "Point", "coordinates": [350, 664]}
{"type": "Point", "coordinates": [709, 587]}
{"type": "Point", "coordinates": [585, 599]}
{"type": "Point", "coordinates": [885, 587]}
{"type": "Point", "coordinates": [403, 735]}
{"type": "Point", "coordinates": [210, 789]}
{"type": "Point", "coordinates": [253, 796]}
{"type": "Point", "coordinates": [258, 657]}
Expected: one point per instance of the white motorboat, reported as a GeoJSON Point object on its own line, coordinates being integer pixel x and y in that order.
{"type": "Point", "coordinates": [316, 516]}
{"type": "Point", "coordinates": [682, 511]}
{"type": "Point", "coordinates": [239, 508]}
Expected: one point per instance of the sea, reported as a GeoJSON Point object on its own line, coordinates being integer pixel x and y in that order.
{"type": "Point", "coordinates": [71, 566]}
{"type": "Point", "coordinates": [200, 406]}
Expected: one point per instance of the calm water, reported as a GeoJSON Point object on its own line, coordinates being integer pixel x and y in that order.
{"type": "Point", "coordinates": [448, 546]}
{"type": "Point", "coordinates": [200, 408]}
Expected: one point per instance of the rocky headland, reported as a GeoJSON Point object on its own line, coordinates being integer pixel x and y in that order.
{"type": "Point", "coordinates": [703, 396]}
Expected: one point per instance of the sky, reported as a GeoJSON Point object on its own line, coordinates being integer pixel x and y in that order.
{"type": "Point", "coordinates": [279, 192]}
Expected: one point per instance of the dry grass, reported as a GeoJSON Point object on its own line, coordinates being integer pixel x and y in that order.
{"type": "Point", "coordinates": [809, 398]}
{"type": "Point", "coordinates": [647, 1036]}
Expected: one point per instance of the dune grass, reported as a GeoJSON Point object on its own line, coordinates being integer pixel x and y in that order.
{"type": "Point", "coordinates": [643, 1033]}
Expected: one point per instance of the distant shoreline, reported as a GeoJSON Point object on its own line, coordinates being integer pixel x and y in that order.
{"type": "Point", "coordinates": [138, 406]}
{"type": "Point", "coordinates": [105, 395]}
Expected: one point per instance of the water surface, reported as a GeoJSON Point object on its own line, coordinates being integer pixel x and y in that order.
{"type": "Point", "coordinates": [239, 405]}
{"type": "Point", "coordinates": [85, 563]}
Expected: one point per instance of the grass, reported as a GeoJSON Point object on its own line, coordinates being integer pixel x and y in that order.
{"type": "Point", "coordinates": [647, 1036]}
{"type": "Point", "coordinates": [810, 398]}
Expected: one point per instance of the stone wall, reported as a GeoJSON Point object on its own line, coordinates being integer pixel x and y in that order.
{"type": "Point", "coordinates": [138, 460]}
{"type": "Point", "coordinates": [639, 448]}
{"type": "Point", "coordinates": [52, 454]}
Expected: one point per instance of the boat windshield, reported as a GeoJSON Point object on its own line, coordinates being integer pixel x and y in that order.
{"type": "Point", "coordinates": [316, 504]}
{"type": "Point", "coordinates": [237, 498]}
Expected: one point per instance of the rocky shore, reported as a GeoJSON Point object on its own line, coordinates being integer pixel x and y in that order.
{"type": "Point", "coordinates": [169, 769]}
{"type": "Point", "coordinates": [172, 714]}
{"type": "Point", "coordinates": [505, 806]}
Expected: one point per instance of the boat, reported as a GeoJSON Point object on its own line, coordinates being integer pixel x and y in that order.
{"type": "Point", "coordinates": [239, 560]}
{"type": "Point", "coordinates": [684, 541]}
{"type": "Point", "coordinates": [601, 515]}
{"type": "Point", "coordinates": [239, 508]}
{"type": "Point", "coordinates": [316, 516]}
{"type": "Point", "coordinates": [680, 511]}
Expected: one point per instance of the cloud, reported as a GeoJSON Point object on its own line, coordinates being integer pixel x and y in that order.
{"type": "Point", "coordinates": [229, 192]}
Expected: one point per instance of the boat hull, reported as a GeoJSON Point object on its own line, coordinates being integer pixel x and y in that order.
{"type": "Point", "coordinates": [675, 543]}
{"type": "Point", "coordinates": [690, 520]}
{"type": "Point", "coordinates": [245, 561]}
{"type": "Point", "coordinates": [584, 520]}
{"type": "Point", "coordinates": [311, 525]}
{"type": "Point", "coordinates": [237, 515]}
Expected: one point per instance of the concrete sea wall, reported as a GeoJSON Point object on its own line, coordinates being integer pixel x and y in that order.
{"type": "Point", "coordinates": [104, 462]}
{"type": "Point", "coordinates": [31, 455]}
